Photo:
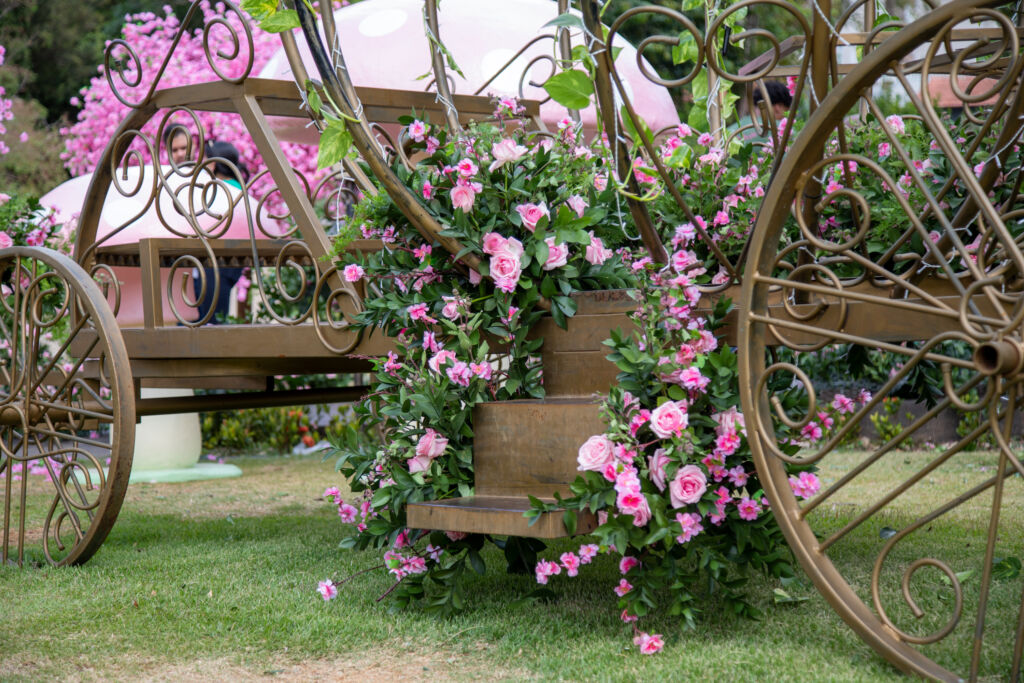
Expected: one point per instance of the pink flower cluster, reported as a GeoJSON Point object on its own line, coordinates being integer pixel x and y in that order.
{"type": "Point", "coordinates": [348, 513]}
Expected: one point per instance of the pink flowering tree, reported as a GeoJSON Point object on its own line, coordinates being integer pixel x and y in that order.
{"type": "Point", "coordinates": [151, 36]}
{"type": "Point", "coordinates": [6, 109]}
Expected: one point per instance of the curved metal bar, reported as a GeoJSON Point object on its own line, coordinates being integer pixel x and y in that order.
{"type": "Point", "coordinates": [437, 58]}
{"type": "Point", "coordinates": [606, 106]}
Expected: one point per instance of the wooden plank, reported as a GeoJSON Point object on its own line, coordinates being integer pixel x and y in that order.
{"type": "Point", "coordinates": [499, 515]}
{"type": "Point", "coordinates": [530, 447]}
{"type": "Point", "coordinates": [579, 374]}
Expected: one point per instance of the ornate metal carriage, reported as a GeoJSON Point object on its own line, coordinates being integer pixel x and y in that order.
{"type": "Point", "coordinates": [961, 284]}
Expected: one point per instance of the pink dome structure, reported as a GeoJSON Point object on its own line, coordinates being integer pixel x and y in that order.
{"type": "Point", "coordinates": [384, 45]}
{"type": "Point", "coordinates": [118, 210]}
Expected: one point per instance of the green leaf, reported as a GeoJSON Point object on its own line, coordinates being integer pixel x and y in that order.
{"type": "Point", "coordinates": [334, 144]}
{"type": "Point", "coordinates": [781, 597]}
{"type": "Point", "coordinates": [285, 20]}
{"type": "Point", "coordinates": [569, 518]}
{"type": "Point", "coordinates": [313, 97]}
{"type": "Point", "coordinates": [1006, 569]}
{"type": "Point", "coordinates": [566, 20]}
{"type": "Point", "coordinates": [259, 9]}
{"type": "Point", "coordinates": [571, 89]}
{"type": "Point", "coordinates": [477, 562]}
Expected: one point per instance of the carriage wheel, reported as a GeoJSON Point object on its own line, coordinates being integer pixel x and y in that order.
{"type": "Point", "coordinates": [67, 412]}
{"type": "Point", "coordinates": [913, 547]}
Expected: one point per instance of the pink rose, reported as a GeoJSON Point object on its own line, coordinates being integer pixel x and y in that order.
{"type": "Point", "coordinates": [463, 197]}
{"type": "Point", "coordinates": [5, 240]}
{"type": "Point", "coordinates": [595, 453]}
{"type": "Point", "coordinates": [431, 444]}
{"type": "Point", "coordinates": [505, 151]}
{"type": "Point", "coordinates": [353, 273]}
{"type": "Point", "coordinates": [558, 254]}
{"type": "Point", "coordinates": [505, 269]}
{"type": "Point", "coordinates": [493, 243]}
{"type": "Point", "coordinates": [419, 463]}
{"type": "Point", "coordinates": [656, 463]}
{"type": "Point", "coordinates": [577, 204]}
{"type": "Point", "coordinates": [531, 214]}
{"type": "Point", "coordinates": [688, 486]}
{"type": "Point", "coordinates": [669, 419]}
{"type": "Point", "coordinates": [596, 251]}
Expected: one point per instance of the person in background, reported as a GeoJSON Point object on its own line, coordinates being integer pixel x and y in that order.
{"type": "Point", "coordinates": [778, 96]}
{"type": "Point", "coordinates": [225, 160]}
{"type": "Point", "coordinates": [178, 142]}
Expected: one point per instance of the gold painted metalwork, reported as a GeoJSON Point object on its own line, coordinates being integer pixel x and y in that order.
{"type": "Point", "coordinates": [945, 294]}
{"type": "Point", "coordinates": [59, 499]}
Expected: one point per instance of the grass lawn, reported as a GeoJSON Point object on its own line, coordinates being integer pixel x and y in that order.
{"type": "Point", "coordinates": [216, 581]}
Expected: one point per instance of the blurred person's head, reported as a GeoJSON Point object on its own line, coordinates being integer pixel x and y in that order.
{"type": "Point", "coordinates": [225, 155]}
{"type": "Point", "coordinates": [778, 97]}
{"type": "Point", "coordinates": [178, 141]}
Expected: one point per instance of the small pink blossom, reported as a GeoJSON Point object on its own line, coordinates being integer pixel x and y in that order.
{"type": "Point", "coordinates": [623, 588]}
{"type": "Point", "coordinates": [505, 151]}
{"type": "Point", "coordinates": [587, 553]}
{"type": "Point", "coordinates": [36, 238]}
{"type": "Point", "coordinates": [805, 485]}
{"type": "Point", "coordinates": [546, 569]}
{"type": "Point", "coordinates": [896, 123]}
{"type": "Point", "coordinates": [690, 524]}
{"type": "Point", "coordinates": [749, 509]}
{"type": "Point", "coordinates": [842, 404]}
{"type": "Point", "coordinates": [600, 182]}
{"type": "Point", "coordinates": [571, 562]}
{"type": "Point", "coordinates": [463, 197]}
{"type": "Point", "coordinates": [428, 190]}
{"type": "Point", "coordinates": [420, 312]}
{"type": "Point", "coordinates": [327, 590]}
{"type": "Point", "coordinates": [649, 644]}
{"type": "Point", "coordinates": [347, 513]}
{"type": "Point", "coordinates": [627, 563]}
{"type": "Point", "coordinates": [418, 130]}
{"type": "Point", "coordinates": [353, 272]}
{"type": "Point", "coordinates": [466, 168]}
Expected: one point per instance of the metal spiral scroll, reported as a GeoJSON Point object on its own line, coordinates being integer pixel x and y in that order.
{"type": "Point", "coordinates": [943, 293]}
{"type": "Point", "coordinates": [61, 387]}
{"type": "Point", "coordinates": [135, 75]}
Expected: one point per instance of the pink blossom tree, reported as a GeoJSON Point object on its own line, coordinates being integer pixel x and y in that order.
{"type": "Point", "coordinates": [151, 37]}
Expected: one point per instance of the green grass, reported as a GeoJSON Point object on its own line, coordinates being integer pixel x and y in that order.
{"type": "Point", "coordinates": [216, 580]}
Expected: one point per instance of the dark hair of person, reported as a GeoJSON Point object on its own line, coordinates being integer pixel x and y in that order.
{"type": "Point", "coordinates": [778, 93]}
{"type": "Point", "coordinates": [228, 152]}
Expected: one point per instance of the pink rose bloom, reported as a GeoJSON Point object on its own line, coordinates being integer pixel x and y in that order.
{"type": "Point", "coordinates": [688, 486]}
{"type": "Point", "coordinates": [558, 254]}
{"type": "Point", "coordinates": [353, 272]}
{"type": "Point", "coordinates": [505, 151]}
{"type": "Point", "coordinates": [656, 463]}
{"type": "Point", "coordinates": [505, 269]}
{"type": "Point", "coordinates": [463, 197]}
{"type": "Point", "coordinates": [493, 243]}
{"type": "Point", "coordinates": [596, 251]}
{"type": "Point", "coordinates": [419, 463]}
{"type": "Point", "coordinates": [431, 444]}
{"type": "Point", "coordinates": [649, 644]}
{"type": "Point", "coordinates": [327, 590]}
{"type": "Point", "coordinates": [531, 214]}
{"type": "Point", "coordinates": [896, 123]}
{"type": "Point", "coordinates": [577, 204]}
{"type": "Point", "coordinates": [5, 240]}
{"type": "Point", "coordinates": [595, 453]}
{"type": "Point", "coordinates": [669, 419]}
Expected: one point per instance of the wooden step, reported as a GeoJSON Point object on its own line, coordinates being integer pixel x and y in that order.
{"type": "Point", "coordinates": [520, 449]}
{"type": "Point", "coordinates": [498, 515]}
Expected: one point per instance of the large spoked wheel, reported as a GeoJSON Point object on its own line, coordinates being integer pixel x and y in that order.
{"type": "Point", "coordinates": [67, 411]}
{"type": "Point", "coordinates": [913, 256]}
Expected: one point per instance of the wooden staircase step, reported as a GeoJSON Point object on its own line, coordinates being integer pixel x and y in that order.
{"type": "Point", "coordinates": [498, 515]}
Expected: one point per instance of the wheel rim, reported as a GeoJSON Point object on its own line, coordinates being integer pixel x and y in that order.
{"type": "Point", "coordinates": [67, 413]}
{"type": "Point", "coordinates": [954, 308]}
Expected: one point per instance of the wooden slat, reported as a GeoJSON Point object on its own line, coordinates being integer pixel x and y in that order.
{"type": "Point", "coordinates": [530, 447]}
{"type": "Point", "coordinates": [499, 515]}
